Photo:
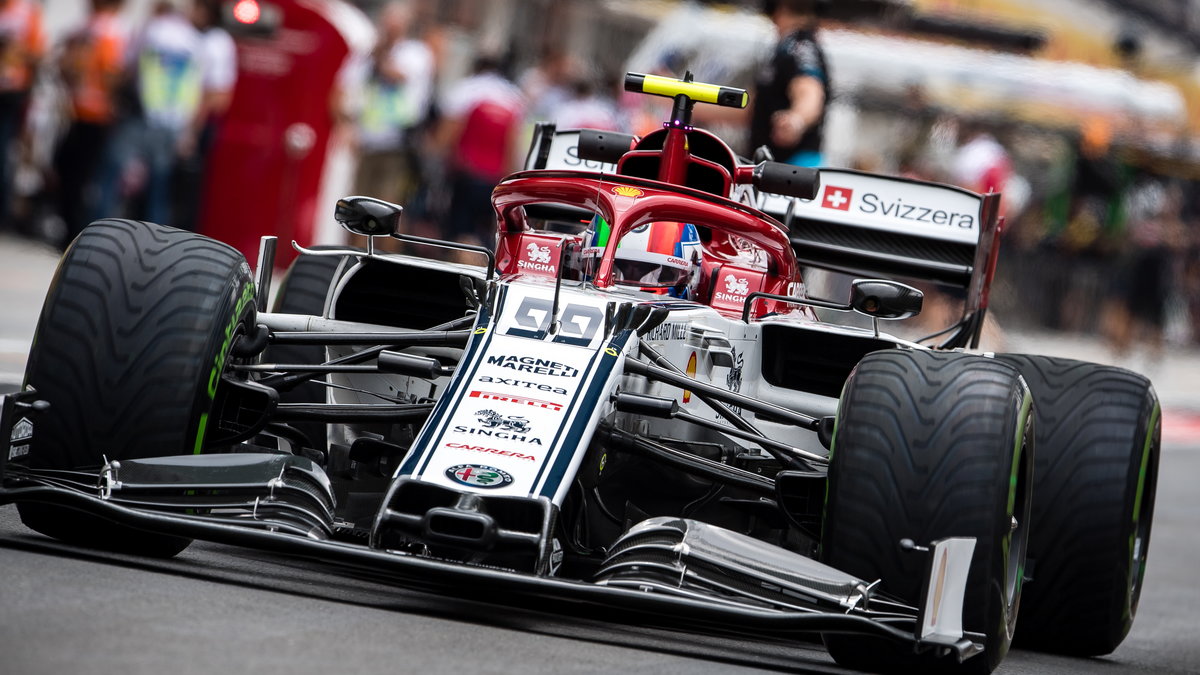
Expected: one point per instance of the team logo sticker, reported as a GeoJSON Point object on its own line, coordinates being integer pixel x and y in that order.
{"type": "Point", "coordinates": [519, 400]}
{"type": "Point", "coordinates": [837, 198]}
{"type": "Point", "coordinates": [538, 254]}
{"type": "Point", "coordinates": [492, 420]}
{"type": "Point", "coordinates": [691, 372]}
{"type": "Point", "coordinates": [479, 475]}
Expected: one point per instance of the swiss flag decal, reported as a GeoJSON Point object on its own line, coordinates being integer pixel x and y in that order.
{"type": "Point", "coordinates": [837, 198]}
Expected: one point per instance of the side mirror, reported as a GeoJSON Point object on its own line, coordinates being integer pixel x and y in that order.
{"type": "Point", "coordinates": [885, 299]}
{"type": "Point", "coordinates": [604, 146]}
{"type": "Point", "coordinates": [368, 216]}
{"type": "Point", "coordinates": [786, 179]}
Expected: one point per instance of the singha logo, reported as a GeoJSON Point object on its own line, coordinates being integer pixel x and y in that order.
{"type": "Point", "coordinates": [493, 420]}
{"type": "Point", "coordinates": [539, 254]}
{"type": "Point", "coordinates": [736, 286]}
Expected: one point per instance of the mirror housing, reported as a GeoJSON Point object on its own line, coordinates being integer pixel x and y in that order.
{"type": "Point", "coordinates": [604, 146]}
{"type": "Point", "coordinates": [368, 216]}
{"type": "Point", "coordinates": [786, 179]}
{"type": "Point", "coordinates": [885, 299]}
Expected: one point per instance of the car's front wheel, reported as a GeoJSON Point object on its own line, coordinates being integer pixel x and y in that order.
{"type": "Point", "coordinates": [930, 445]}
{"type": "Point", "coordinates": [130, 347]}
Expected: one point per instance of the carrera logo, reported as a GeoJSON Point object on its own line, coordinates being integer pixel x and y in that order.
{"type": "Point", "coordinates": [492, 451]}
{"type": "Point", "coordinates": [529, 364]}
{"type": "Point", "coordinates": [873, 203]}
{"type": "Point", "coordinates": [478, 475]}
{"type": "Point", "coordinates": [627, 191]}
{"type": "Point", "coordinates": [519, 400]}
{"type": "Point", "coordinates": [837, 198]}
{"type": "Point", "coordinates": [523, 384]}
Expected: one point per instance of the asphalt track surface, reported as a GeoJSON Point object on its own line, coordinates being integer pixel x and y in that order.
{"type": "Point", "coordinates": [220, 609]}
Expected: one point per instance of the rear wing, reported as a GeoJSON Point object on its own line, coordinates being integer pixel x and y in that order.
{"type": "Point", "coordinates": [552, 148]}
{"type": "Point", "coordinates": [883, 226]}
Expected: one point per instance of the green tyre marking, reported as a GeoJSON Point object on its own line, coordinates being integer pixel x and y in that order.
{"type": "Point", "coordinates": [214, 374]}
{"type": "Point", "coordinates": [1134, 566]}
{"type": "Point", "coordinates": [1013, 478]}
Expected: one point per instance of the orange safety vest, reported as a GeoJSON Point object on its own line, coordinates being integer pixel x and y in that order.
{"type": "Point", "coordinates": [22, 42]}
{"type": "Point", "coordinates": [94, 57]}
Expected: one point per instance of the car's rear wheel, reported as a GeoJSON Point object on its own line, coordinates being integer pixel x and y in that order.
{"type": "Point", "coordinates": [931, 445]}
{"type": "Point", "coordinates": [1098, 442]}
{"type": "Point", "coordinates": [130, 347]}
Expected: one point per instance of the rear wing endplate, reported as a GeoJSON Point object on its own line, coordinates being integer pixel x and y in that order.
{"type": "Point", "coordinates": [885, 226]}
{"type": "Point", "coordinates": [552, 148]}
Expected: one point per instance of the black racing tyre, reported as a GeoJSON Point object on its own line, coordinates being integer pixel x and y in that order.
{"type": "Point", "coordinates": [303, 291]}
{"type": "Point", "coordinates": [930, 445]}
{"type": "Point", "coordinates": [1095, 480]}
{"type": "Point", "coordinates": [131, 343]}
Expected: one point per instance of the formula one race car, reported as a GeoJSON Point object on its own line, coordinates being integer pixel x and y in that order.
{"type": "Point", "coordinates": [631, 402]}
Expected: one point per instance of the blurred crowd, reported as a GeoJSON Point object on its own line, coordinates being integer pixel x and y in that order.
{"type": "Point", "coordinates": [440, 150]}
{"type": "Point", "coordinates": [1097, 239]}
{"type": "Point", "coordinates": [117, 122]}
{"type": "Point", "coordinates": [109, 122]}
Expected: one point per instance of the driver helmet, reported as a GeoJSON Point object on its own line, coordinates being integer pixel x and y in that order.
{"type": "Point", "coordinates": [662, 257]}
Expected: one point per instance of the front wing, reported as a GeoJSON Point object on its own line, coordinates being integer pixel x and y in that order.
{"type": "Point", "coordinates": [257, 504]}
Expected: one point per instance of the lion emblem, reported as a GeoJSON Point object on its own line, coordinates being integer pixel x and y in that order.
{"type": "Point", "coordinates": [492, 420]}
{"type": "Point", "coordinates": [539, 254]}
{"type": "Point", "coordinates": [736, 286]}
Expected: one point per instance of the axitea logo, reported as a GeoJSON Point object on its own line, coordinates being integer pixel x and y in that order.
{"type": "Point", "coordinates": [519, 400]}
{"type": "Point", "coordinates": [488, 379]}
{"type": "Point", "coordinates": [837, 198]}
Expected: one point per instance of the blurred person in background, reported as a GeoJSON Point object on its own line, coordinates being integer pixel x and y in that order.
{"type": "Point", "coordinates": [1149, 271]}
{"type": "Point", "coordinates": [218, 77]}
{"type": "Point", "coordinates": [22, 45]}
{"type": "Point", "coordinates": [981, 164]}
{"type": "Point", "coordinates": [168, 73]}
{"type": "Point", "coordinates": [792, 87]}
{"type": "Point", "coordinates": [586, 108]}
{"type": "Point", "coordinates": [480, 129]}
{"type": "Point", "coordinates": [547, 84]}
{"type": "Point", "coordinates": [384, 97]}
{"type": "Point", "coordinates": [91, 67]}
